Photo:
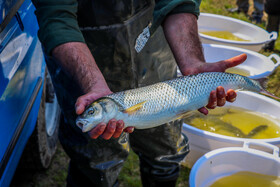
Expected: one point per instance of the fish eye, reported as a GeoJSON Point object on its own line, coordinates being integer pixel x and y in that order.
{"type": "Point", "coordinates": [90, 112]}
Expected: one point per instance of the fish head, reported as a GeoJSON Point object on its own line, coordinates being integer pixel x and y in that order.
{"type": "Point", "coordinates": [101, 110]}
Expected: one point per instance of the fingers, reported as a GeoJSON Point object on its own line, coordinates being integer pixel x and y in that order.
{"type": "Point", "coordinates": [97, 131]}
{"type": "Point", "coordinates": [218, 97]}
{"type": "Point", "coordinates": [221, 96]}
{"type": "Point", "coordinates": [119, 129]}
{"type": "Point", "coordinates": [234, 61]}
{"type": "Point", "coordinates": [112, 129]}
{"type": "Point", "coordinates": [231, 95]}
{"type": "Point", "coordinates": [203, 110]}
{"type": "Point", "coordinates": [212, 103]}
{"type": "Point", "coordinates": [129, 129]}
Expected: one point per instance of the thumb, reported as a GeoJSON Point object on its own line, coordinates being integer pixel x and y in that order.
{"type": "Point", "coordinates": [80, 106]}
{"type": "Point", "coordinates": [79, 109]}
{"type": "Point", "coordinates": [82, 102]}
{"type": "Point", "coordinates": [234, 61]}
{"type": "Point", "coordinates": [85, 100]}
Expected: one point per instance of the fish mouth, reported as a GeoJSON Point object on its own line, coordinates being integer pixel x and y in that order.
{"type": "Point", "coordinates": [81, 123]}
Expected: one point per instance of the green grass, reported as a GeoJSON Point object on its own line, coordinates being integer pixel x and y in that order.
{"type": "Point", "coordinates": [130, 174]}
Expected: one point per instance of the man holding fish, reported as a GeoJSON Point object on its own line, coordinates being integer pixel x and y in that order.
{"type": "Point", "coordinates": [93, 48]}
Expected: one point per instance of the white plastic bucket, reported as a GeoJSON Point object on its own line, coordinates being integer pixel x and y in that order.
{"type": "Point", "coordinates": [211, 22]}
{"type": "Point", "coordinates": [226, 161]}
{"type": "Point", "coordinates": [256, 64]}
{"type": "Point", "coordinates": [202, 142]}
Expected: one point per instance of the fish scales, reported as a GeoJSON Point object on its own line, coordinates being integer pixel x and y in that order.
{"type": "Point", "coordinates": [166, 101]}
{"type": "Point", "coordinates": [179, 92]}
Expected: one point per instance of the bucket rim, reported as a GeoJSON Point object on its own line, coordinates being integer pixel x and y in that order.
{"type": "Point", "coordinates": [227, 150]}
{"type": "Point", "coordinates": [255, 27]}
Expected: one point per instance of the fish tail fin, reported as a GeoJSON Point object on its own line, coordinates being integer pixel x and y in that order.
{"type": "Point", "coordinates": [270, 95]}
{"type": "Point", "coordinates": [262, 82]}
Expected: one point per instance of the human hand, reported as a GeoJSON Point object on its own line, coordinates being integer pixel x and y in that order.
{"type": "Point", "coordinates": [76, 60]}
{"type": "Point", "coordinates": [181, 32]}
{"type": "Point", "coordinates": [217, 97]}
{"type": "Point", "coordinates": [114, 128]}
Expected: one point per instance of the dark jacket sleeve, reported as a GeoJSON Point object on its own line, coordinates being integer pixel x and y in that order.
{"type": "Point", "coordinates": [165, 7]}
{"type": "Point", "coordinates": [58, 24]}
{"type": "Point", "coordinates": [57, 21]}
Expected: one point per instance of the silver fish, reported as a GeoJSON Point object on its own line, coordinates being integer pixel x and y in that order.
{"type": "Point", "coordinates": [153, 105]}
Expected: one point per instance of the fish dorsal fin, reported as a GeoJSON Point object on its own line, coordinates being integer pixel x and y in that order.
{"type": "Point", "coordinates": [134, 108]}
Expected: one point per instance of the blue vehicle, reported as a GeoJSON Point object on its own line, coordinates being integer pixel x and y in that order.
{"type": "Point", "coordinates": [29, 113]}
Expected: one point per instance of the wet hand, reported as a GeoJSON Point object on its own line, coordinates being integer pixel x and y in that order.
{"type": "Point", "coordinates": [221, 66]}
{"type": "Point", "coordinates": [113, 129]}
{"type": "Point", "coordinates": [217, 97]}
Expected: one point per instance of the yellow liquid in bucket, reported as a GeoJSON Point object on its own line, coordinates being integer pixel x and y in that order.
{"type": "Point", "coordinates": [239, 71]}
{"type": "Point", "coordinates": [224, 35]}
{"type": "Point", "coordinates": [247, 179]}
{"type": "Point", "coordinates": [236, 122]}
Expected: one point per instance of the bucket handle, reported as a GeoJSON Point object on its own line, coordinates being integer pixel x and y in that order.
{"type": "Point", "coordinates": [273, 36]}
{"type": "Point", "coordinates": [276, 58]}
{"type": "Point", "coordinates": [274, 148]}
